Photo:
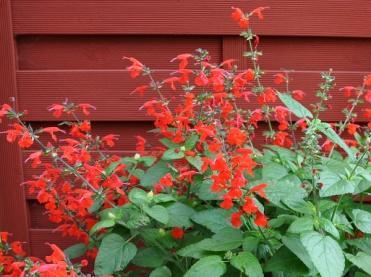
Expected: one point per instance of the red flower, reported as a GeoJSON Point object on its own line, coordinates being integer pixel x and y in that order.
{"type": "Point", "coordinates": [56, 256]}
{"type": "Point", "coordinates": [177, 233]}
{"type": "Point", "coordinates": [258, 12]}
{"type": "Point", "coordinates": [348, 90]}
{"type": "Point", "coordinates": [51, 131]}
{"type": "Point", "coordinates": [249, 207]}
{"type": "Point", "coordinates": [25, 141]}
{"type": "Point", "coordinates": [140, 89]}
{"type": "Point", "coordinates": [171, 82]}
{"type": "Point", "coordinates": [268, 96]}
{"type": "Point", "coordinates": [259, 190]}
{"type": "Point", "coordinates": [85, 108]}
{"type": "Point", "coordinates": [35, 158]}
{"type": "Point", "coordinates": [279, 78]}
{"type": "Point", "coordinates": [17, 248]}
{"type": "Point", "coordinates": [239, 16]}
{"type": "Point", "coordinates": [298, 94]}
{"type": "Point", "coordinates": [260, 219]}
{"type": "Point", "coordinates": [136, 68]}
{"type": "Point", "coordinates": [141, 142]}
{"type": "Point", "coordinates": [236, 219]}
{"type": "Point", "coordinates": [228, 63]}
{"type": "Point", "coordinates": [109, 140]}
{"type": "Point", "coordinates": [352, 128]}
{"type": "Point", "coordinates": [368, 96]}
{"type": "Point", "coordinates": [368, 80]}
{"type": "Point", "coordinates": [226, 204]}
{"type": "Point", "coordinates": [4, 236]}
{"type": "Point", "coordinates": [201, 80]}
{"type": "Point", "coordinates": [57, 110]}
{"type": "Point", "coordinates": [4, 110]}
{"type": "Point", "coordinates": [236, 137]}
{"type": "Point", "coordinates": [183, 58]}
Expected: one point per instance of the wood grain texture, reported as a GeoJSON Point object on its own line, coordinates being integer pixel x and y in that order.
{"type": "Point", "coordinates": [37, 52]}
{"type": "Point", "coordinates": [288, 17]}
{"type": "Point", "coordinates": [13, 214]}
{"type": "Point", "coordinates": [303, 53]}
{"type": "Point", "coordinates": [110, 91]}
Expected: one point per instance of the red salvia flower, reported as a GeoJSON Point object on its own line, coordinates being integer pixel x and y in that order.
{"type": "Point", "coordinates": [236, 137]}
{"type": "Point", "coordinates": [239, 17]}
{"type": "Point", "coordinates": [260, 219]}
{"type": "Point", "coordinates": [183, 58]}
{"type": "Point", "coordinates": [51, 131]}
{"type": "Point", "coordinates": [177, 233]}
{"type": "Point", "coordinates": [298, 94]}
{"type": "Point", "coordinates": [279, 78]}
{"type": "Point", "coordinates": [85, 108]}
{"type": "Point", "coordinates": [258, 12]}
{"type": "Point", "coordinates": [236, 219]}
{"type": "Point", "coordinates": [136, 68]}
{"type": "Point", "coordinates": [57, 110]}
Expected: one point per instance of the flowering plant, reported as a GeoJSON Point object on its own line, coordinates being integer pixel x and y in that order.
{"type": "Point", "coordinates": [208, 202]}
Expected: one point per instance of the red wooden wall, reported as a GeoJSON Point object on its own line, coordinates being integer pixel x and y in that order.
{"type": "Point", "coordinates": [53, 49]}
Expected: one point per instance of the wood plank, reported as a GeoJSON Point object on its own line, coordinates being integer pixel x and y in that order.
{"type": "Point", "coordinates": [13, 213]}
{"type": "Point", "coordinates": [40, 237]}
{"type": "Point", "coordinates": [105, 52]}
{"type": "Point", "coordinates": [110, 92]}
{"type": "Point", "coordinates": [289, 17]}
{"type": "Point", "coordinates": [303, 53]}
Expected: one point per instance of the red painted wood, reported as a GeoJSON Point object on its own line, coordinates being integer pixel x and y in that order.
{"type": "Point", "coordinates": [303, 53]}
{"type": "Point", "coordinates": [110, 92]}
{"type": "Point", "coordinates": [105, 52]}
{"type": "Point", "coordinates": [40, 237]}
{"type": "Point", "coordinates": [13, 213]}
{"type": "Point", "coordinates": [288, 17]}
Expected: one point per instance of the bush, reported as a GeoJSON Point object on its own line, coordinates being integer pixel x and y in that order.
{"type": "Point", "coordinates": [208, 202]}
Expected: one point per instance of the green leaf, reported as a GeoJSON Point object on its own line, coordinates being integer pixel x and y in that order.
{"type": "Point", "coordinates": [179, 215]}
{"type": "Point", "coordinates": [325, 253]}
{"type": "Point", "coordinates": [213, 219]}
{"type": "Point", "coordinates": [274, 171]}
{"type": "Point", "coordinates": [207, 266]}
{"type": "Point", "coordinates": [362, 220]}
{"type": "Point", "coordinates": [107, 223]}
{"type": "Point", "coordinates": [339, 188]}
{"type": "Point", "coordinates": [147, 161]}
{"type": "Point", "coordinates": [203, 191]}
{"type": "Point", "coordinates": [224, 240]}
{"type": "Point", "coordinates": [75, 251]}
{"type": "Point", "coordinates": [329, 227]}
{"type": "Point", "coordinates": [285, 261]}
{"type": "Point", "coordinates": [301, 225]}
{"type": "Point", "coordinates": [190, 143]}
{"type": "Point", "coordinates": [138, 196]}
{"type": "Point", "coordinates": [294, 106]}
{"type": "Point", "coordinates": [157, 212]}
{"type": "Point", "coordinates": [327, 130]}
{"type": "Point", "coordinates": [285, 190]}
{"type": "Point", "coordinates": [154, 174]}
{"type": "Point", "coordinates": [163, 198]}
{"type": "Point", "coordinates": [149, 257]}
{"type": "Point", "coordinates": [361, 260]}
{"type": "Point", "coordinates": [293, 243]}
{"type": "Point", "coordinates": [162, 271]}
{"type": "Point", "coordinates": [172, 154]}
{"type": "Point", "coordinates": [114, 254]}
{"type": "Point", "coordinates": [363, 243]}
{"type": "Point", "coordinates": [192, 250]}
{"type": "Point", "coordinates": [247, 263]}
{"type": "Point", "coordinates": [195, 161]}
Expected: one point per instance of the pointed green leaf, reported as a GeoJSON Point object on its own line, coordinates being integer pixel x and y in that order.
{"type": "Point", "coordinates": [325, 253]}
{"type": "Point", "coordinates": [207, 266]}
{"type": "Point", "coordinates": [247, 263]}
{"type": "Point", "coordinates": [294, 106]}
